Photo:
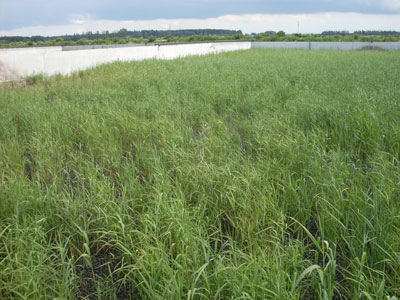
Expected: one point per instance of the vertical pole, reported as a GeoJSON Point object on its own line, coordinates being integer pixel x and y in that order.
{"type": "Point", "coordinates": [309, 45]}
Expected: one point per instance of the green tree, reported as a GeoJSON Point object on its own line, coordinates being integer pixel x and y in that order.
{"type": "Point", "coordinates": [83, 41]}
{"type": "Point", "coordinates": [281, 33]}
{"type": "Point", "coordinates": [122, 32]}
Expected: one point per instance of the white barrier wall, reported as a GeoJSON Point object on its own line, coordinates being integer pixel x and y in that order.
{"type": "Point", "coordinates": [328, 45]}
{"type": "Point", "coordinates": [17, 63]}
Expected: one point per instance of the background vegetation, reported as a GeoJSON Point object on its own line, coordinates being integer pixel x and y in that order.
{"type": "Point", "coordinates": [256, 174]}
{"type": "Point", "coordinates": [343, 37]}
{"type": "Point", "coordinates": [124, 36]}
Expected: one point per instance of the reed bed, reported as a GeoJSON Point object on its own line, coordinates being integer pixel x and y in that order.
{"type": "Point", "coordinates": [258, 174]}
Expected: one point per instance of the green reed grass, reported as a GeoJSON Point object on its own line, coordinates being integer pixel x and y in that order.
{"type": "Point", "coordinates": [254, 174]}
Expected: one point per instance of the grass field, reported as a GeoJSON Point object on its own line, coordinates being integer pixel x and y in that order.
{"type": "Point", "coordinates": [259, 174]}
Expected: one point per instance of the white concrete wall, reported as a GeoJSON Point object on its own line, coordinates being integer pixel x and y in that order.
{"type": "Point", "coordinates": [328, 45]}
{"type": "Point", "coordinates": [17, 63]}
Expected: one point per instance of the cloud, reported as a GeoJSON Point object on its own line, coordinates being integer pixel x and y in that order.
{"type": "Point", "coordinates": [248, 23]}
{"type": "Point", "coordinates": [80, 19]}
{"type": "Point", "coordinates": [392, 5]}
{"type": "Point", "coordinates": [27, 13]}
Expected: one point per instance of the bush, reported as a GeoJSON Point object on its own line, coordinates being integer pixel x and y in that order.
{"type": "Point", "coordinates": [281, 33]}
{"type": "Point", "coordinates": [151, 39]}
{"type": "Point", "coordinates": [82, 41]}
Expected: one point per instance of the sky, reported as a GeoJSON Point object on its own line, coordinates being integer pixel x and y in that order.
{"type": "Point", "coordinates": [57, 17]}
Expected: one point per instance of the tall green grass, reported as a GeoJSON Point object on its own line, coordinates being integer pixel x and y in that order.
{"type": "Point", "coordinates": [255, 174]}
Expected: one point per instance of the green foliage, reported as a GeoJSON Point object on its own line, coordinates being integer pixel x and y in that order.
{"type": "Point", "coordinates": [326, 38]}
{"type": "Point", "coordinates": [83, 41]}
{"type": "Point", "coordinates": [259, 174]}
{"type": "Point", "coordinates": [126, 37]}
{"type": "Point", "coordinates": [151, 39]}
{"type": "Point", "coordinates": [281, 33]}
{"type": "Point", "coordinates": [34, 79]}
{"type": "Point", "coordinates": [169, 39]}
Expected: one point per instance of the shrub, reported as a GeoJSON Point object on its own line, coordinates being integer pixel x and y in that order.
{"type": "Point", "coordinates": [281, 33]}
{"type": "Point", "coordinates": [82, 41]}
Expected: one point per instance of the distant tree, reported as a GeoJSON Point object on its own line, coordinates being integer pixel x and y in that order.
{"type": "Point", "coordinates": [37, 38]}
{"type": "Point", "coordinates": [82, 41]}
{"type": "Point", "coordinates": [169, 38]}
{"type": "Point", "coordinates": [122, 33]}
{"type": "Point", "coordinates": [281, 33]}
{"type": "Point", "coordinates": [151, 39]}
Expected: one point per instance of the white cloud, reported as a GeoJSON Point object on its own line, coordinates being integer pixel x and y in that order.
{"type": "Point", "coordinates": [392, 4]}
{"type": "Point", "coordinates": [80, 19]}
{"type": "Point", "coordinates": [308, 23]}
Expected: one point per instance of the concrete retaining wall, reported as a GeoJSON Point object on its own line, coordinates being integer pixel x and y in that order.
{"type": "Point", "coordinates": [17, 63]}
{"type": "Point", "coordinates": [329, 45]}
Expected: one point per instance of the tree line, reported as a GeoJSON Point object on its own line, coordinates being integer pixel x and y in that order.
{"type": "Point", "coordinates": [124, 36]}
{"type": "Point", "coordinates": [361, 32]}
{"type": "Point", "coordinates": [122, 33]}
